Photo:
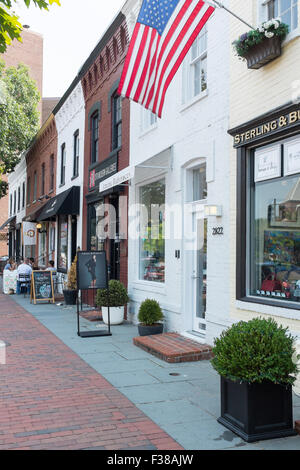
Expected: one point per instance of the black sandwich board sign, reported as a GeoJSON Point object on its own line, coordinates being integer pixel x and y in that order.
{"type": "Point", "coordinates": [92, 273]}
{"type": "Point", "coordinates": [42, 289]}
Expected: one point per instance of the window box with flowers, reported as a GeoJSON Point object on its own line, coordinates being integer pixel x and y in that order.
{"type": "Point", "coordinates": [260, 46]}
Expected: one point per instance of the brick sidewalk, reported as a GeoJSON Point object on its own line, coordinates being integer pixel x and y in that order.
{"type": "Point", "coordinates": [51, 399]}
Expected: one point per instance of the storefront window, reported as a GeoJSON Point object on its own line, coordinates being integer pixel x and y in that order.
{"type": "Point", "coordinates": [96, 240]}
{"type": "Point", "coordinates": [275, 222]}
{"type": "Point", "coordinates": [42, 246]}
{"type": "Point", "coordinates": [152, 232]}
{"type": "Point", "coordinates": [62, 262]}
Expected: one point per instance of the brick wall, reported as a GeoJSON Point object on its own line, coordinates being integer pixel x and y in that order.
{"type": "Point", "coordinates": [97, 84]}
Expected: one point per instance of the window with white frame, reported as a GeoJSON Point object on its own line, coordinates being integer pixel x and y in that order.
{"type": "Point", "coordinates": [148, 119]}
{"type": "Point", "coordinates": [195, 68]}
{"type": "Point", "coordinates": [286, 10]}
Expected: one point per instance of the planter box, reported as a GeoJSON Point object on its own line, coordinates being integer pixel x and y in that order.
{"type": "Point", "coordinates": [261, 54]}
{"type": "Point", "coordinates": [257, 411]}
{"type": "Point", "coordinates": [70, 296]}
{"type": "Point", "coordinates": [116, 315]}
{"type": "Point", "coordinates": [147, 330]}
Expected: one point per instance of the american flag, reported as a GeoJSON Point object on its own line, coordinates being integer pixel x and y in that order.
{"type": "Point", "coordinates": [164, 32]}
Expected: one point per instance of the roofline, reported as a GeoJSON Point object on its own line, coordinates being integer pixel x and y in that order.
{"type": "Point", "coordinates": [116, 22]}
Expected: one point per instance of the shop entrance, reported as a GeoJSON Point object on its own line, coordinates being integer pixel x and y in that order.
{"type": "Point", "coordinates": [199, 276]}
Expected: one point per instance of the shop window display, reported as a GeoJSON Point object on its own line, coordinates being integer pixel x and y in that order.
{"type": "Point", "coordinates": [152, 230]}
{"type": "Point", "coordinates": [275, 223]}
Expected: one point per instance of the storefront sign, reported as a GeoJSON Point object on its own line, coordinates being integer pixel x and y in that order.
{"type": "Point", "coordinates": [125, 175]}
{"type": "Point", "coordinates": [268, 163]}
{"type": "Point", "coordinates": [267, 128]}
{"type": "Point", "coordinates": [103, 171]}
{"type": "Point", "coordinates": [29, 234]}
{"type": "Point", "coordinates": [292, 157]}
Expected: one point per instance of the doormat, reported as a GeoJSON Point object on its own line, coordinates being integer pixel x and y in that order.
{"type": "Point", "coordinates": [173, 348]}
{"type": "Point", "coordinates": [92, 315]}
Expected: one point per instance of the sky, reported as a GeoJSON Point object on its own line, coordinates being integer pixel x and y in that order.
{"type": "Point", "coordinates": [70, 33]}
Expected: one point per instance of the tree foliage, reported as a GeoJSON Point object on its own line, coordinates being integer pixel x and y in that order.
{"type": "Point", "coordinates": [19, 116]}
{"type": "Point", "coordinates": [10, 27]}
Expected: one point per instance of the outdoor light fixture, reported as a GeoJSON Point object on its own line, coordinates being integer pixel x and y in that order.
{"type": "Point", "coordinates": [40, 228]}
{"type": "Point", "coordinates": [213, 211]}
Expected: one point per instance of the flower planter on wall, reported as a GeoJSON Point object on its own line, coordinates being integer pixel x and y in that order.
{"type": "Point", "coordinates": [263, 53]}
{"type": "Point", "coordinates": [257, 411]}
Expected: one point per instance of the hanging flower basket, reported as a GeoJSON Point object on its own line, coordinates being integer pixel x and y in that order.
{"type": "Point", "coordinates": [259, 46]}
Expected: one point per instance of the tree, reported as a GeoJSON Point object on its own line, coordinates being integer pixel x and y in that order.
{"type": "Point", "coordinates": [10, 28]}
{"type": "Point", "coordinates": [19, 117]}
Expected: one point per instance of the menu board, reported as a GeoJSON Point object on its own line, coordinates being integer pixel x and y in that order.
{"type": "Point", "coordinates": [42, 287]}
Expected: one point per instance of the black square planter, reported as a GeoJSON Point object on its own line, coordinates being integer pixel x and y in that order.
{"type": "Point", "coordinates": [257, 411]}
{"type": "Point", "coordinates": [263, 53]}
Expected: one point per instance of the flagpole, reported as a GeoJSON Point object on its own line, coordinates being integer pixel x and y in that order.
{"type": "Point", "coordinates": [220, 5]}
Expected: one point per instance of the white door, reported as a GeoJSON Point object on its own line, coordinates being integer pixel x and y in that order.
{"type": "Point", "coordinates": [199, 276]}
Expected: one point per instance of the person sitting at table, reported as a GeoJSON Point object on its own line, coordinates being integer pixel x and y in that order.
{"type": "Point", "coordinates": [33, 265]}
{"type": "Point", "coordinates": [51, 266]}
{"type": "Point", "coordinates": [24, 269]}
{"type": "Point", "coordinates": [10, 265]}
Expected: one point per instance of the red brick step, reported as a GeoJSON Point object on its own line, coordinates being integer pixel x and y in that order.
{"type": "Point", "coordinates": [173, 348]}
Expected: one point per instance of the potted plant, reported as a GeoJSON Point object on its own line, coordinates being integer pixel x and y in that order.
{"type": "Point", "coordinates": [260, 46]}
{"type": "Point", "coordinates": [71, 292]}
{"type": "Point", "coordinates": [256, 363]}
{"type": "Point", "coordinates": [116, 299]}
{"type": "Point", "coordinates": [150, 315]}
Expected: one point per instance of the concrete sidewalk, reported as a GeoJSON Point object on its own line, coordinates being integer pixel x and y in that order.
{"type": "Point", "coordinates": [182, 399]}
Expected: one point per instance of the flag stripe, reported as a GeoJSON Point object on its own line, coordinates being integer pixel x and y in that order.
{"type": "Point", "coordinates": [179, 42]}
{"type": "Point", "coordinates": [153, 58]}
{"type": "Point", "coordinates": [181, 57]}
{"type": "Point", "coordinates": [174, 23]}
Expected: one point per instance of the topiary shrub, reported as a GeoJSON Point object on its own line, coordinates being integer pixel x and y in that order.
{"type": "Point", "coordinates": [150, 312]}
{"type": "Point", "coordinates": [117, 295]}
{"type": "Point", "coordinates": [72, 276]}
{"type": "Point", "coordinates": [255, 351]}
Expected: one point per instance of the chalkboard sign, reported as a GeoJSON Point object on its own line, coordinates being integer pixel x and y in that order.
{"type": "Point", "coordinates": [42, 287]}
{"type": "Point", "coordinates": [91, 270]}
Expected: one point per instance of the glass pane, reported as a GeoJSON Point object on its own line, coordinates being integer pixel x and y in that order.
{"type": "Point", "coordinates": [199, 183]}
{"type": "Point", "coordinates": [96, 242]}
{"type": "Point", "coordinates": [203, 74]}
{"type": "Point", "coordinates": [276, 239]}
{"type": "Point", "coordinates": [195, 49]}
{"type": "Point", "coordinates": [201, 269]}
{"type": "Point", "coordinates": [295, 17]}
{"type": "Point", "coordinates": [285, 5]}
{"type": "Point", "coordinates": [197, 78]}
{"type": "Point", "coordinates": [63, 243]}
{"type": "Point", "coordinates": [203, 41]}
{"type": "Point", "coordinates": [287, 18]}
{"type": "Point", "coordinates": [152, 231]}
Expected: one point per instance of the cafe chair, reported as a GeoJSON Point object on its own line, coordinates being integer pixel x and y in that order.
{"type": "Point", "coordinates": [25, 282]}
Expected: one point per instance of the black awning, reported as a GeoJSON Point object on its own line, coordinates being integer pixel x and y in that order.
{"type": "Point", "coordinates": [33, 216]}
{"type": "Point", "coordinates": [9, 221]}
{"type": "Point", "coordinates": [66, 203]}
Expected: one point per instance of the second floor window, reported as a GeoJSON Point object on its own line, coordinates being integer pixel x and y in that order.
{"type": "Point", "coordinates": [51, 173]}
{"type": "Point", "coordinates": [11, 204]}
{"type": "Point", "coordinates": [286, 10]}
{"type": "Point", "coordinates": [63, 164]}
{"type": "Point", "coordinates": [28, 191]}
{"type": "Point", "coordinates": [23, 195]}
{"type": "Point", "coordinates": [195, 68]}
{"type": "Point", "coordinates": [76, 155]}
{"type": "Point", "coordinates": [15, 202]}
{"type": "Point", "coordinates": [95, 138]}
{"type": "Point", "coordinates": [19, 198]}
{"type": "Point", "coordinates": [43, 180]}
{"type": "Point", "coordinates": [35, 186]}
{"type": "Point", "coordinates": [117, 122]}
{"type": "Point", "coordinates": [148, 119]}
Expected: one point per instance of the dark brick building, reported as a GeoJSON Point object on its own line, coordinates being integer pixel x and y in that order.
{"type": "Point", "coordinates": [41, 160]}
{"type": "Point", "coordinates": [106, 148]}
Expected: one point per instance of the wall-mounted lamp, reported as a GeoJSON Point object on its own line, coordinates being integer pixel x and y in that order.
{"type": "Point", "coordinates": [40, 228]}
{"type": "Point", "coordinates": [213, 211]}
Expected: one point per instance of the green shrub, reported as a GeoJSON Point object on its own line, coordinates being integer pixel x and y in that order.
{"type": "Point", "coordinates": [255, 351]}
{"type": "Point", "coordinates": [117, 295]}
{"type": "Point", "coordinates": [150, 312]}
